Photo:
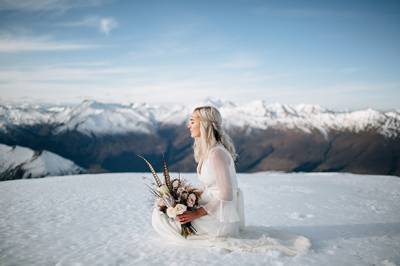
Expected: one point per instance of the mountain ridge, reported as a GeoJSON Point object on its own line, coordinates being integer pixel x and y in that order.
{"type": "Point", "coordinates": [93, 117]}
{"type": "Point", "coordinates": [105, 137]}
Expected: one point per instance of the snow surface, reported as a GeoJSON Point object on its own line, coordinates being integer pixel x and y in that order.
{"type": "Point", "coordinates": [35, 164]}
{"type": "Point", "coordinates": [92, 117]}
{"type": "Point", "coordinates": [105, 219]}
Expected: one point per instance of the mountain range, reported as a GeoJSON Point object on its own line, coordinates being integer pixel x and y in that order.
{"type": "Point", "coordinates": [106, 137]}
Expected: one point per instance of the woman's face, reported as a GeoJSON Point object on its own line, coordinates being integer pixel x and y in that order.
{"type": "Point", "coordinates": [194, 125]}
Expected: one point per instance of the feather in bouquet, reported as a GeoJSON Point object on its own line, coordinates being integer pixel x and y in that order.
{"type": "Point", "coordinates": [174, 197]}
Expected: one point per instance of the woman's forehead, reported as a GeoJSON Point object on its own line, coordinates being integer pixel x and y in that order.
{"type": "Point", "coordinates": [194, 115]}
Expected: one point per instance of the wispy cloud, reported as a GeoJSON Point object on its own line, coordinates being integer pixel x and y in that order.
{"type": "Point", "coordinates": [68, 73]}
{"type": "Point", "coordinates": [103, 24]}
{"type": "Point", "coordinates": [17, 44]}
{"type": "Point", "coordinates": [99, 78]}
{"type": "Point", "coordinates": [47, 5]}
{"type": "Point", "coordinates": [109, 82]}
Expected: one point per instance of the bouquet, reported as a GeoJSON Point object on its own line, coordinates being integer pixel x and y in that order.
{"type": "Point", "coordinates": [174, 197]}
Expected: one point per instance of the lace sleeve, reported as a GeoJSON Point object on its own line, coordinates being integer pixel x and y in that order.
{"type": "Point", "coordinates": [221, 206]}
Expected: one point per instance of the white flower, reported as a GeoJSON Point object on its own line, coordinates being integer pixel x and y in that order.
{"type": "Point", "coordinates": [163, 190]}
{"type": "Point", "coordinates": [180, 209]}
{"type": "Point", "coordinates": [171, 212]}
{"type": "Point", "coordinates": [191, 200]}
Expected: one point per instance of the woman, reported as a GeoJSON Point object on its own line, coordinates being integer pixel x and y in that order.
{"type": "Point", "coordinates": [221, 203]}
{"type": "Point", "coordinates": [221, 214]}
{"type": "Point", "coordinates": [221, 211]}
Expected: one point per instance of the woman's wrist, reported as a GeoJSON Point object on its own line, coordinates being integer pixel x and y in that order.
{"type": "Point", "coordinates": [201, 211]}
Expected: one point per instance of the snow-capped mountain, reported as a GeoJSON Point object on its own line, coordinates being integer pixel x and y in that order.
{"type": "Point", "coordinates": [20, 162]}
{"type": "Point", "coordinates": [106, 137]}
{"type": "Point", "coordinates": [307, 118]}
{"type": "Point", "coordinates": [92, 117]}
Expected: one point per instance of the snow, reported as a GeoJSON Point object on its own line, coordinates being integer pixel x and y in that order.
{"type": "Point", "coordinates": [23, 115]}
{"type": "Point", "coordinates": [93, 117]}
{"type": "Point", "coordinates": [13, 156]}
{"type": "Point", "coordinates": [37, 164]}
{"type": "Point", "coordinates": [105, 219]}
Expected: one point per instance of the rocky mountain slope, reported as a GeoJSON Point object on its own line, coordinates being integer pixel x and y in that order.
{"type": "Point", "coordinates": [19, 163]}
{"type": "Point", "coordinates": [106, 137]}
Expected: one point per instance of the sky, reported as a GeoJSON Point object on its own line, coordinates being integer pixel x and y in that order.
{"type": "Point", "coordinates": [337, 54]}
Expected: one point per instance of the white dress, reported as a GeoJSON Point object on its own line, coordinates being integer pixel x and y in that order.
{"type": "Point", "coordinates": [224, 224]}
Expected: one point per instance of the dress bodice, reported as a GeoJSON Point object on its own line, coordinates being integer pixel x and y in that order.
{"type": "Point", "coordinates": [219, 185]}
{"type": "Point", "coordinates": [211, 169]}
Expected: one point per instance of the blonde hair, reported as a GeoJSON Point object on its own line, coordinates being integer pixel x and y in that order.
{"type": "Point", "coordinates": [211, 133]}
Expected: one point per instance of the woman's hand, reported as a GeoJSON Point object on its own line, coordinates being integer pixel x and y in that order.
{"type": "Point", "coordinates": [189, 216]}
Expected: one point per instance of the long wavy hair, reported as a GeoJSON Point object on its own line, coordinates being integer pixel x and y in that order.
{"type": "Point", "coordinates": [211, 133]}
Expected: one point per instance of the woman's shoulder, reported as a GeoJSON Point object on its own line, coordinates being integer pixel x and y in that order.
{"type": "Point", "coordinates": [217, 148]}
{"type": "Point", "coordinates": [219, 152]}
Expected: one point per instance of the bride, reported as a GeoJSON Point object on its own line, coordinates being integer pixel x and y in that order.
{"type": "Point", "coordinates": [219, 220]}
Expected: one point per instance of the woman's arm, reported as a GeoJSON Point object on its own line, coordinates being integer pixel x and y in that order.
{"type": "Point", "coordinates": [191, 215]}
{"type": "Point", "coordinates": [222, 207]}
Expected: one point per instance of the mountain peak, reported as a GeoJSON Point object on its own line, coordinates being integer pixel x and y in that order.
{"type": "Point", "coordinates": [217, 102]}
{"type": "Point", "coordinates": [310, 108]}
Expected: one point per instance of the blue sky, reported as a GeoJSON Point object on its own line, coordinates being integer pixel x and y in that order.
{"type": "Point", "coordinates": [338, 54]}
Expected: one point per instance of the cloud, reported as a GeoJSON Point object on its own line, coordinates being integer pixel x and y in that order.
{"type": "Point", "coordinates": [78, 72]}
{"type": "Point", "coordinates": [103, 24]}
{"type": "Point", "coordinates": [47, 5]}
{"type": "Point", "coordinates": [17, 44]}
{"type": "Point", "coordinates": [109, 82]}
{"type": "Point", "coordinates": [107, 24]}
